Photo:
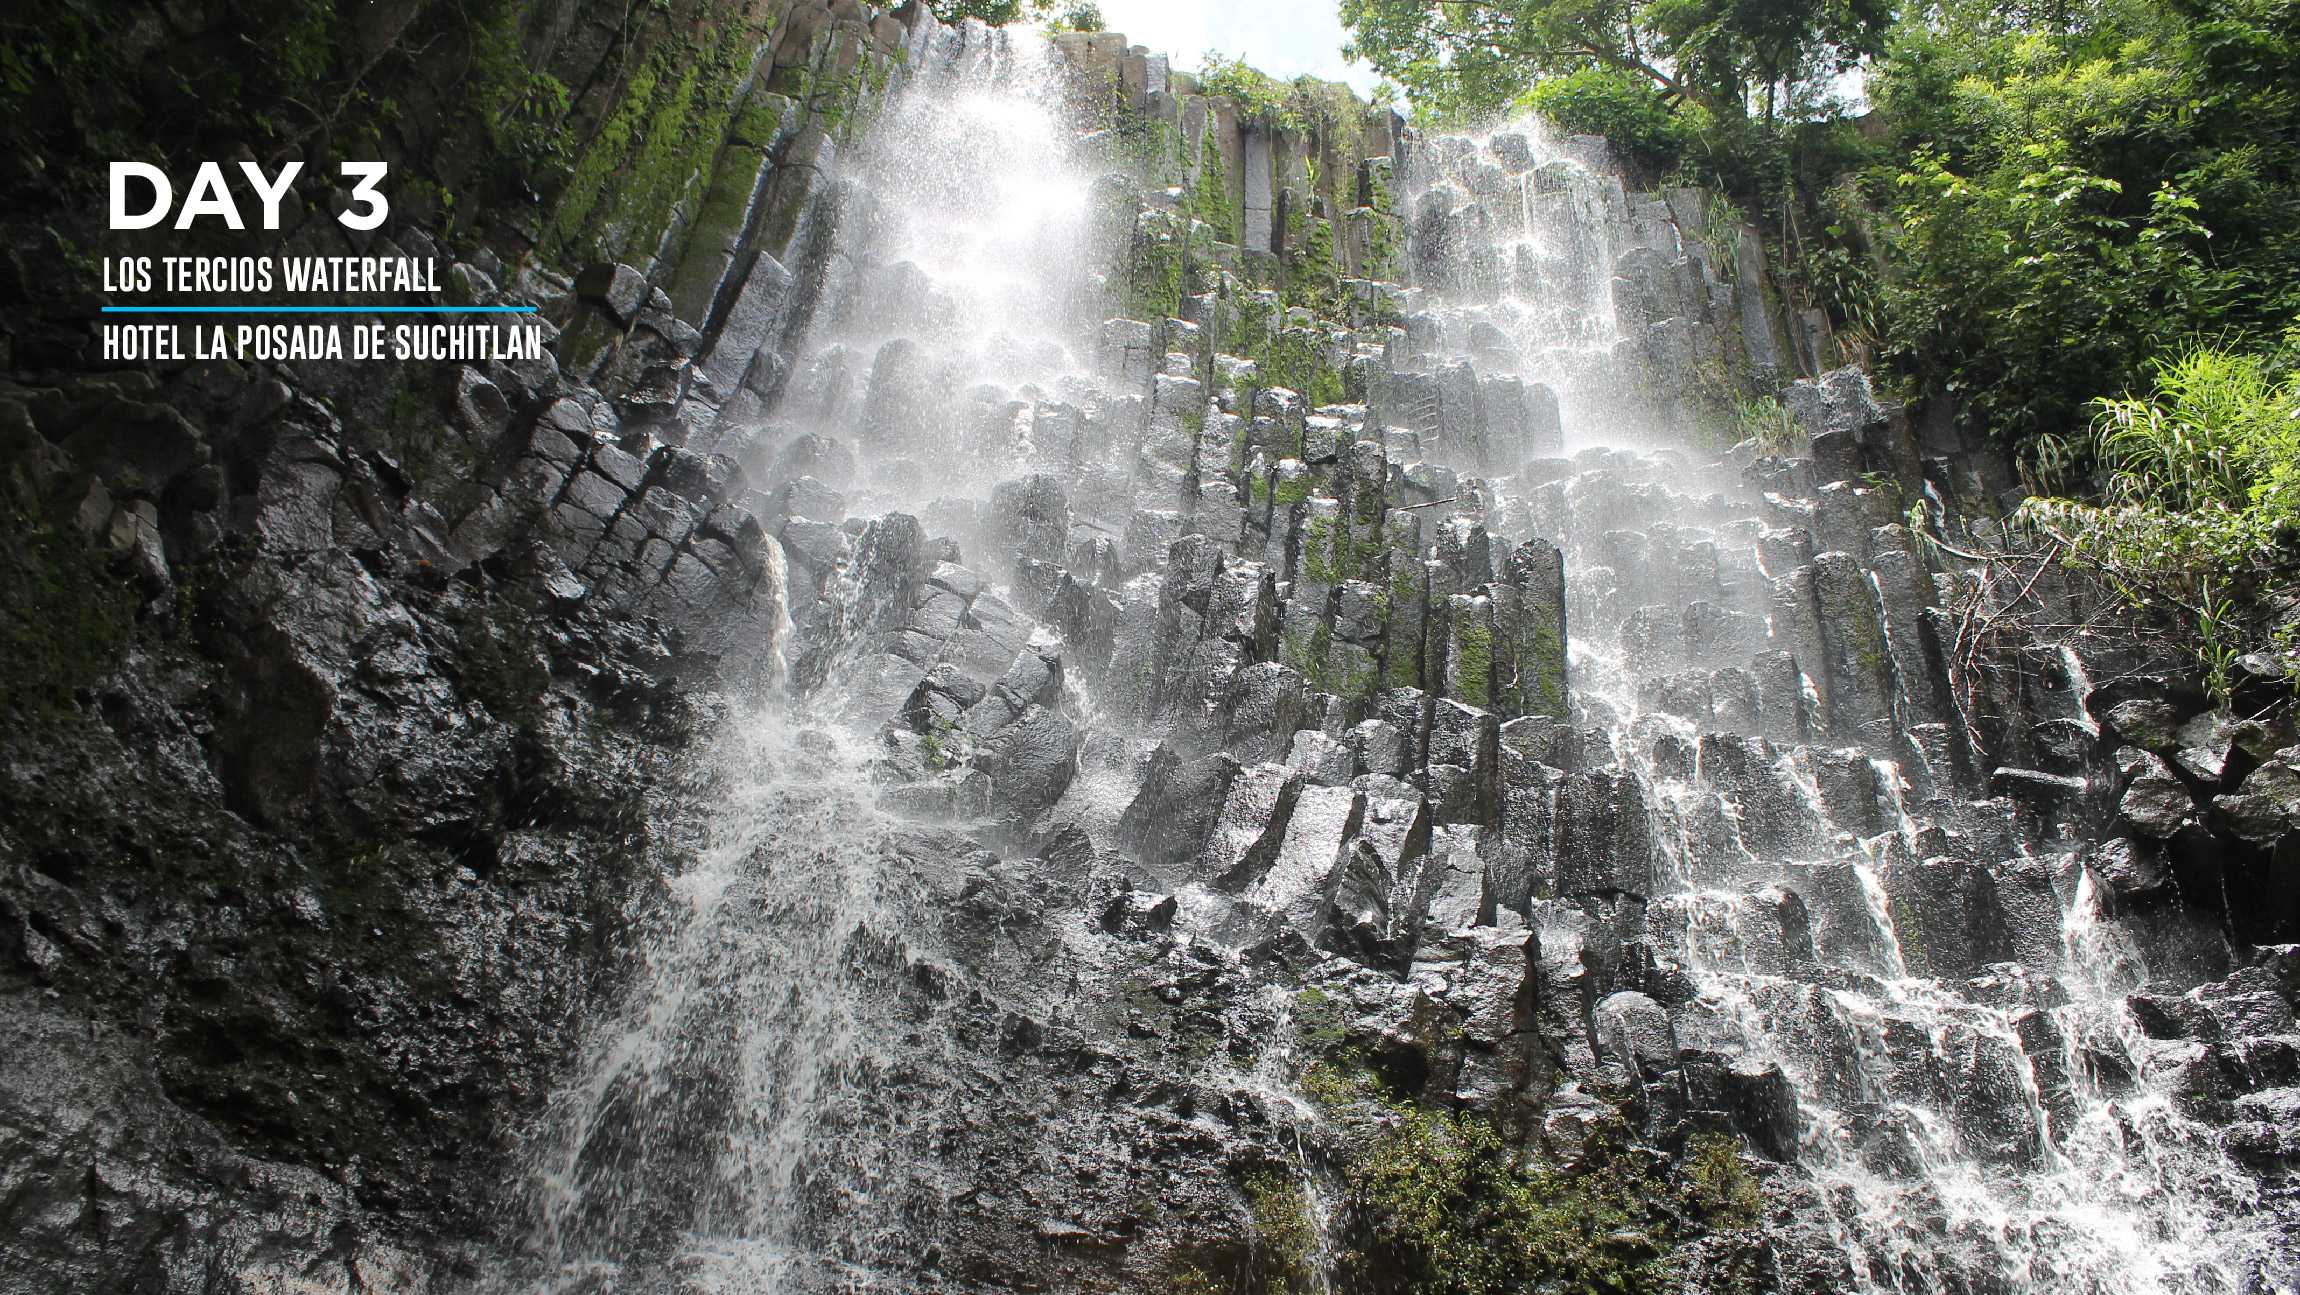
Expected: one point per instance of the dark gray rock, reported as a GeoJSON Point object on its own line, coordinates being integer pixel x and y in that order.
{"type": "Point", "coordinates": [2154, 803]}
{"type": "Point", "coordinates": [617, 289]}
{"type": "Point", "coordinates": [2266, 808]}
{"type": "Point", "coordinates": [2145, 722]}
{"type": "Point", "coordinates": [1604, 840]}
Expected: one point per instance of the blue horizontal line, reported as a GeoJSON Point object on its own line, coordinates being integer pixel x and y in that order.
{"type": "Point", "coordinates": [319, 310]}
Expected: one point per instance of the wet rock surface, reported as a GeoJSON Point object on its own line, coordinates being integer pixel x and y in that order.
{"type": "Point", "coordinates": [1175, 777]}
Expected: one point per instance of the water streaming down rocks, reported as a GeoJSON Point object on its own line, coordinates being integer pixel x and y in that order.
{"type": "Point", "coordinates": [1908, 987]}
{"type": "Point", "coordinates": [1159, 691]}
{"type": "Point", "coordinates": [1057, 653]}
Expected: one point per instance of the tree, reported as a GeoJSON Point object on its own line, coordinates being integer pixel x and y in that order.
{"type": "Point", "coordinates": [1077, 15]}
{"type": "Point", "coordinates": [1467, 57]}
{"type": "Point", "coordinates": [2082, 195]}
{"type": "Point", "coordinates": [997, 13]}
{"type": "Point", "coordinates": [1082, 15]}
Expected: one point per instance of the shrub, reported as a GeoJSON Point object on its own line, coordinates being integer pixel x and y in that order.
{"type": "Point", "coordinates": [2199, 509]}
{"type": "Point", "coordinates": [1628, 110]}
{"type": "Point", "coordinates": [1440, 1206]}
{"type": "Point", "coordinates": [1769, 423]}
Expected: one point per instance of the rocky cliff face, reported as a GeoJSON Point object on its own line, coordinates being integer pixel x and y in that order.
{"type": "Point", "coordinates": [794, 788]}
{"type": "Point", "coordinates": [353, 707]}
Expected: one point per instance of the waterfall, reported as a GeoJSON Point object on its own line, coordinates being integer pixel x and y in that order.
{"type": "Point", "coordinates": [1977, 1110]}
{"type": "Point", "coordinates": [739, 1122]}
{"type": "Point", "coordinates": [1128, 701]}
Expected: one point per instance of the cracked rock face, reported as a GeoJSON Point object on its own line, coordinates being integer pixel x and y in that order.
{"type": "Point", "coordinates": [1375, 747]}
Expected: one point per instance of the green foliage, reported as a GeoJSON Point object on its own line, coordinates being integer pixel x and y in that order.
{"type": "Point", "coordinates": [2020, 292]}
{"type": "Point", "coordinates": [519, 106]}
{"type": "Point", "coordinates": [62, 86]}
{"type": "Point", "coordinates": [997, 13]}
{"type": "Point", "coordinates": [1717, 1186]}
{"type": "Point", "coordinates": [1057, 15]}
{"type": "Point", "coordinates": [2200, 508]}
{"type": "Point", "coordinates": [2221, 433]}
{"type": "Point", "coordinates": [1302, 104]}
{"type": "Point", "coordinates": [1635, 115]}
{"type": "Point", "coordinates": [1470, 59]}
{"type": "Point", "coordinates": [1285, 1235]}
{"type": "Point", "coordinates": [1441, 1206]}
{"type": "Point", "coordinates": [1769, 423]}
{"type": "Point", "coordinates": [1081, 15]}
{"type": "Point", "coordinates": [53, 46]}
{"type": "Point", "coordinates": [1259, 96]}
{"type": "Point", "coordinates": [2085, 189]}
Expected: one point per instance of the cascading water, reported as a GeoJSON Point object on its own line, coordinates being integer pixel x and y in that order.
{"type": "Point", "coordinates": [1977, 1109]}
{"type": "Point", "coordinates": [741, 1124]}
{"type": "Point", "coordinates": [1274, 706]}
{"type": "Point", "coordinates": [732, 1131]}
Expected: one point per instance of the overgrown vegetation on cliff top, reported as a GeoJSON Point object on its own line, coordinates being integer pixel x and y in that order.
{"type": "Point", "coordinates": [2047, 212]}
{"type": "Point", "coordinates": [2044, 202]}
{"type": "Point", "coordinates": [1058, 15]}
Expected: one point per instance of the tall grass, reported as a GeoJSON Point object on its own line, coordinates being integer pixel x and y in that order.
{"type": "Point", "coordinates": [2200, 499]}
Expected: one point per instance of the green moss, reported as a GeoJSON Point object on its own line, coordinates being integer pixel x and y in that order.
{"type": "Point", "coordinates": [1868, 635]}
{"type": "Point", "coordinates": [1368, 550]}
{"type": "Point", "coordinates": [1292, 358]}
{"type": "Point", "coordinates": [1148, 144]}
{"type": "Point", "coordinates": [1310, 272]}
{"type": "Point", "coordinates": [1339, 1083]}
{"type": "Point", "coordinates": [1440, 1205]}
{"type": "Point", "coordinates": [726, 202]}
{"type": "Point", "coordinates": [1909, 933]}
{"type": "Point", "coordinates": [1319, 1019]}
{"type": "Point", "coordinates": [1290, 490]}
{"type": "Point", "coordinates": [1401, 652]}
{"type": "Point", "coordinates": [1209, 196]}
{"type": "Point", "coordinates": [1546, 696]}
{"type": "Point", "coordinates": [1285, 1235]}
{"type": "Point", "coordinates": [1158, 271]}
{"type": "Point", "coordinates": [1325, 553]}
{"type": "Point", "coordinates": [1308, 654]}
{"type": "Point", "coordinates": [670, 121]}
{"type": "Point", "coordinates": [1384, 243]}
{"type": "Point", "coordinates": [1473, 646]}
{"type": "Point", "coordinates": [1717, 1186]}
{"type": "Point", "coordinates": [1381, 195]}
